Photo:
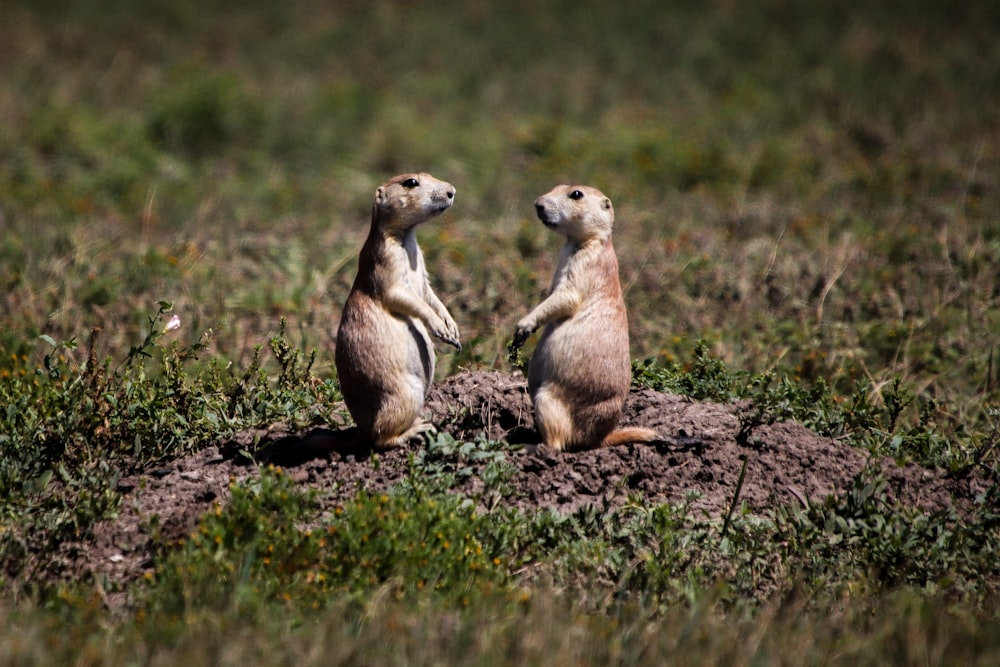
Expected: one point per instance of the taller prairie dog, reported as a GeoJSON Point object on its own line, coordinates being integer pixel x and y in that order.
{"type": "Point", "coordinates": [580, 372]}
{"type": "Point", "coordinates": [385, 358]}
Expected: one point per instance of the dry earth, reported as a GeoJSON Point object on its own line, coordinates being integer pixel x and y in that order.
{"type": "Point", "coordinates": [703, 453]}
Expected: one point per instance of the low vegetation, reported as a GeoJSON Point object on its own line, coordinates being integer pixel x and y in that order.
{"type": "Point", "coordinates": [808, 219]}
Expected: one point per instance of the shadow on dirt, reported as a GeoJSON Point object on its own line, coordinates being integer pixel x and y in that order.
{"type": "Point", "coordinates": [293, 451]}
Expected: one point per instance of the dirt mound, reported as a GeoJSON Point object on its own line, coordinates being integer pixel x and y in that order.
{"type": "Point", "coordinates": [705, 448]}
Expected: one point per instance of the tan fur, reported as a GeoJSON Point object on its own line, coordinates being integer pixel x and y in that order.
{"type": "Point", "coordinates": [385, 358]}
{"type": "Point", "coordinates": [580, 372]}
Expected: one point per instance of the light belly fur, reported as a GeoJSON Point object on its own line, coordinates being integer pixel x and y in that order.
{"type": "Point", "coordinates": [574, 355]}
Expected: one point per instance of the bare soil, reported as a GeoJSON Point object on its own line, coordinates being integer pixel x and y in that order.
{"type": "Point", "coordinates": [703, 455]}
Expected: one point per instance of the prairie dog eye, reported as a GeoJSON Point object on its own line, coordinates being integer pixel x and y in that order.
{"type": "Point", "coordinates": [576, 194]}
{"type": "Point", "coordinates": [410, 183]}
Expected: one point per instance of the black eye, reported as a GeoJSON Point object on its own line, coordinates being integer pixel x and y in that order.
{"type": "Point", "coordinates": [576, 194]}
{"type": "Point", "coordinates": [410, 183]}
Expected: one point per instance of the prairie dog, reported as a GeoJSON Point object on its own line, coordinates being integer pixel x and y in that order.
{"type": "Point", "coordinates": [580, 372]}
{"type": "Point", "coordinates": [384, 356]}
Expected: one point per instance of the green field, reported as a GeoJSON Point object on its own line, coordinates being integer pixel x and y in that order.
{"type": "Point", "coordinates": [807, 192]}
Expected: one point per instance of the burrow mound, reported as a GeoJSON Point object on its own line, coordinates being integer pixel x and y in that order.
{"type": "Point", "coordinates": [700, 462]}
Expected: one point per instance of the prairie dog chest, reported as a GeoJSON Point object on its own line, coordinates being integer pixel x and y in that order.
{"type": "Point", "coordinates": [411, 262]}
{"type": "Point", "coordinates": [577, 270]}
{"type": "Point", "coordinates": [559, 276]}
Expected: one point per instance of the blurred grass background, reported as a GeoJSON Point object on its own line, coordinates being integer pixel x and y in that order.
{"type": "Point", "coordinates": [810, 187]}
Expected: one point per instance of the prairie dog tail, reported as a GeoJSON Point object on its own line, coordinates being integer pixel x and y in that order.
{"type": "Point", "coordinates": [632, 434]}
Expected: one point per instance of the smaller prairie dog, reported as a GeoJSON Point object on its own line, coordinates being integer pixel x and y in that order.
{"type": "Point", "coordinates": [384, 356]}
{"type": "Point", "coordinates": [580, 372]}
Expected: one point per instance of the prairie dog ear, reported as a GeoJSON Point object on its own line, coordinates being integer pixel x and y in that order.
{"type": "Point", "coordinates": [379, 195]}
{"type": "Point", "coordinates": [606, 204]}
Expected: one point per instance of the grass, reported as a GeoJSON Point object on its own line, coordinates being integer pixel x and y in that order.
{"type": "Point", "coordinates": [807, 217]}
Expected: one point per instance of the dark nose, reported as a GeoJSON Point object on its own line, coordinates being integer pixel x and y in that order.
{"type": "Point", "coordinates": [540, 210]}
{"type": "Point", "coordinates": [451, 194]}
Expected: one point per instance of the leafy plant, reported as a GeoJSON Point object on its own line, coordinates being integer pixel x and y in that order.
{"type": "Point", "coordinates": [71, 428]}
{"type": "Point", "coordinates": [271, 544]}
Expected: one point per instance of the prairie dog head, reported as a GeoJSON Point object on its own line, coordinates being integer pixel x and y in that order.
{"type": "Point", "coordinates": [407, 200]}
{"type": "Point", "coordinates": [577, 212]}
